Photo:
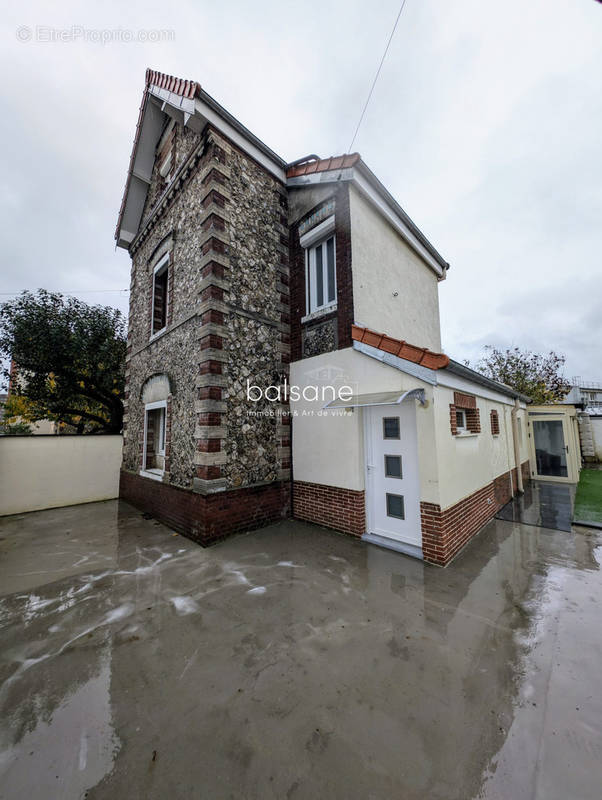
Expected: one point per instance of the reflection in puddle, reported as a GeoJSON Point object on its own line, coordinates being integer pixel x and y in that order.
{"type": "Point", "coordinates": [68, 751]}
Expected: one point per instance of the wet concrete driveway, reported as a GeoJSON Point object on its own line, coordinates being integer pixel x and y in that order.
{"type": "Point", "coordinates": [293, 662]}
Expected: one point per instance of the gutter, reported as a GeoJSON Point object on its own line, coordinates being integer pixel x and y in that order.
{"type": "Point", "coordinates": [470, 374]}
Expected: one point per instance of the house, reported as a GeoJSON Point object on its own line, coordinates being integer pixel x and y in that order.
{"type": "Point", "coordinates": [587, 394]}
{"type": "Point", "coordinates": [284, 347]}
{"type": "Point", "coordinates": [16, 384]}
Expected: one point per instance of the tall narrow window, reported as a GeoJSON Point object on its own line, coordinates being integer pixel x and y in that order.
{"type": "Point", "coordinates": [321, 275]}
{"type": "Point", "coordinates": [154, 437]}
{"type": "Point", "coordinates": [160, 299]}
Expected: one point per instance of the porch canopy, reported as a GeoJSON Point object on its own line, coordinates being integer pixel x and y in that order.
{"type": "Point", "coordinates": [378, 399]}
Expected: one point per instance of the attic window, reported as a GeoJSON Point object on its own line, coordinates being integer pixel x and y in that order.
{"type": "Point", "coordinates": [160, 295]}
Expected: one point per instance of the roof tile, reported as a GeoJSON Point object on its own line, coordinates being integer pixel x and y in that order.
{"type": "Point", "coordinates": [399, 347]}
{"type": "Point", "coordinates": [323, 165]}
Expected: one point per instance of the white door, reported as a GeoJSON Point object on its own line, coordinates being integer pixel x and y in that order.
{"type": "Point", "coordinates": [392, 482]}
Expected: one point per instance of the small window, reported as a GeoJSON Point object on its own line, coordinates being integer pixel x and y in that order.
{"type": "Point", "coordinates": [495, 423]}
{"type": "Point", "coordinates": [321, 275]}
{"type": "Point", "coordinates": [160, 299]}
{"type": "Point", "coordinates": [393, 467]}
{"type": "Point", "coordinates": [390, 427]}
{"type": "Point", "coordinates": [395, 506]}
{"type": "Point", "coordinates": [461, 425]}
{"type": "Point", "coordinates": [154, 437]}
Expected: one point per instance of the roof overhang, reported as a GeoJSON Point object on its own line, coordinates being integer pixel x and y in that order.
{"type": "Point", "coordinates": [454, 375]}
{"type": "Point", "coordinates": [378, 399]}
{"type": "Point", "coordinates": [462, 371]}
{"type": "Point", "coordinates": [362, 177]}
{"type": "Point", "coordinates": [184, 101]}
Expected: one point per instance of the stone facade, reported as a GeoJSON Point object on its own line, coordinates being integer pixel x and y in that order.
{"type": "Point", "coordinates": [319, 337]}
{"type": "Point", "coordinates": [222, 219]}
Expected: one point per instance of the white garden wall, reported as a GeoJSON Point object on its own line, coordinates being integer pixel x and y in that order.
{"type": "Point", "coordinates": [39, 472]}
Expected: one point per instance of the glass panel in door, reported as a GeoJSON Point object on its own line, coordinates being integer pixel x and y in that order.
{"type": "Point", "coordinates": [550, 448]}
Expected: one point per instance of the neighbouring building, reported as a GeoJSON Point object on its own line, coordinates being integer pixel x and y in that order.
{"type": "Point", "coordinates": [587, 396]}
{"type": "Point", "coordinates": [284, 350]}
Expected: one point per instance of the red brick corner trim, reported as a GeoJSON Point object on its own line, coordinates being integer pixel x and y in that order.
{"type": "Point", "coordinates": [330, 506]}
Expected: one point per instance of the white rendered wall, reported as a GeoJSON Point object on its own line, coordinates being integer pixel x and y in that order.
{"type": "Point", "coordinates": [39, 472]}
{"type": "Point", "coordinates": [383, 264]}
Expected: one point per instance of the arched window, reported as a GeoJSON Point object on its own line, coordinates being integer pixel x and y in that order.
{"type": "Point", "coordinates": [156, 399]}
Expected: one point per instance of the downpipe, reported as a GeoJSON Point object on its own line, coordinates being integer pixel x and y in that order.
{"type": "Point", "coordinates": [515, 442]}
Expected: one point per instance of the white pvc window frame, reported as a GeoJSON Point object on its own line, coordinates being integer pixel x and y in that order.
{"type": "Point", "coordinates": [155, 472]}
{"type": "Point", "coordinates": [320, 266]}
{"type": "Point", "coordinates": [161, 266]}
{"type": "Point", "coordinates": [463, 426]}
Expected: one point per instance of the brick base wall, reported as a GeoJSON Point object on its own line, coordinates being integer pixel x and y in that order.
{"type": "Point", "coordinates": [207, 518]}
{"type": "Point", "coordinates": [445, 532]}
{"type": "Point", "coordinates": [341, 509]}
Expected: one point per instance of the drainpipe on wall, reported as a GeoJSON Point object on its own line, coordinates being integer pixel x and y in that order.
{"type": "Point", "coordinates": [519, 474]}
{"type": "Point", "coordinates": [508, 451]}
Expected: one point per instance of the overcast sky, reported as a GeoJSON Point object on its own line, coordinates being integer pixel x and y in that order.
{"type": "Point", "coordinates": [486, 125]}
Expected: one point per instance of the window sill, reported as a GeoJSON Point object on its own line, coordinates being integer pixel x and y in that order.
{"type": "Point", "coordinates": [153, 474]}
{"type": "Point", "coordinates": [465, 435]}
{"type": "Point", "coordinates": [158, 334]}
{"type": "Point", "coordinates": [321, 312]}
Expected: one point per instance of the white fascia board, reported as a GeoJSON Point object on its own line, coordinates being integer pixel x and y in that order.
{"type": "Point", "coordinates": [380, 203]}
{"type": "Point", "coordinates": [183, 104]}
{"type": "Point", "coordinates": [210, 115]}
{"type": "Point", "coordinates": [451, 381]}
{"type": "Point", "coordinates": [402, 364]}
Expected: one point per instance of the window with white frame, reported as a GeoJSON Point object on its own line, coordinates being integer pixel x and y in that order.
{"type": "Point", "coordinates": [461, 425]}
{"type": "Point", "coordinates": [320, 267]}
{"type": "Point", "coordinates": [154, 436]}
{"type": "Point", "coordinates": [321, 275]}
{"type": "Point", "coordinates": [160, 295]}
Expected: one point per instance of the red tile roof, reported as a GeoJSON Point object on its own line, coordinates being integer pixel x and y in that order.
{"type": "Point", "coordinates": [323, 165]}
{"type": "Point", "coordinates": [187, 89]}
{"type": "Point", "coordinates": [399, 347]}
